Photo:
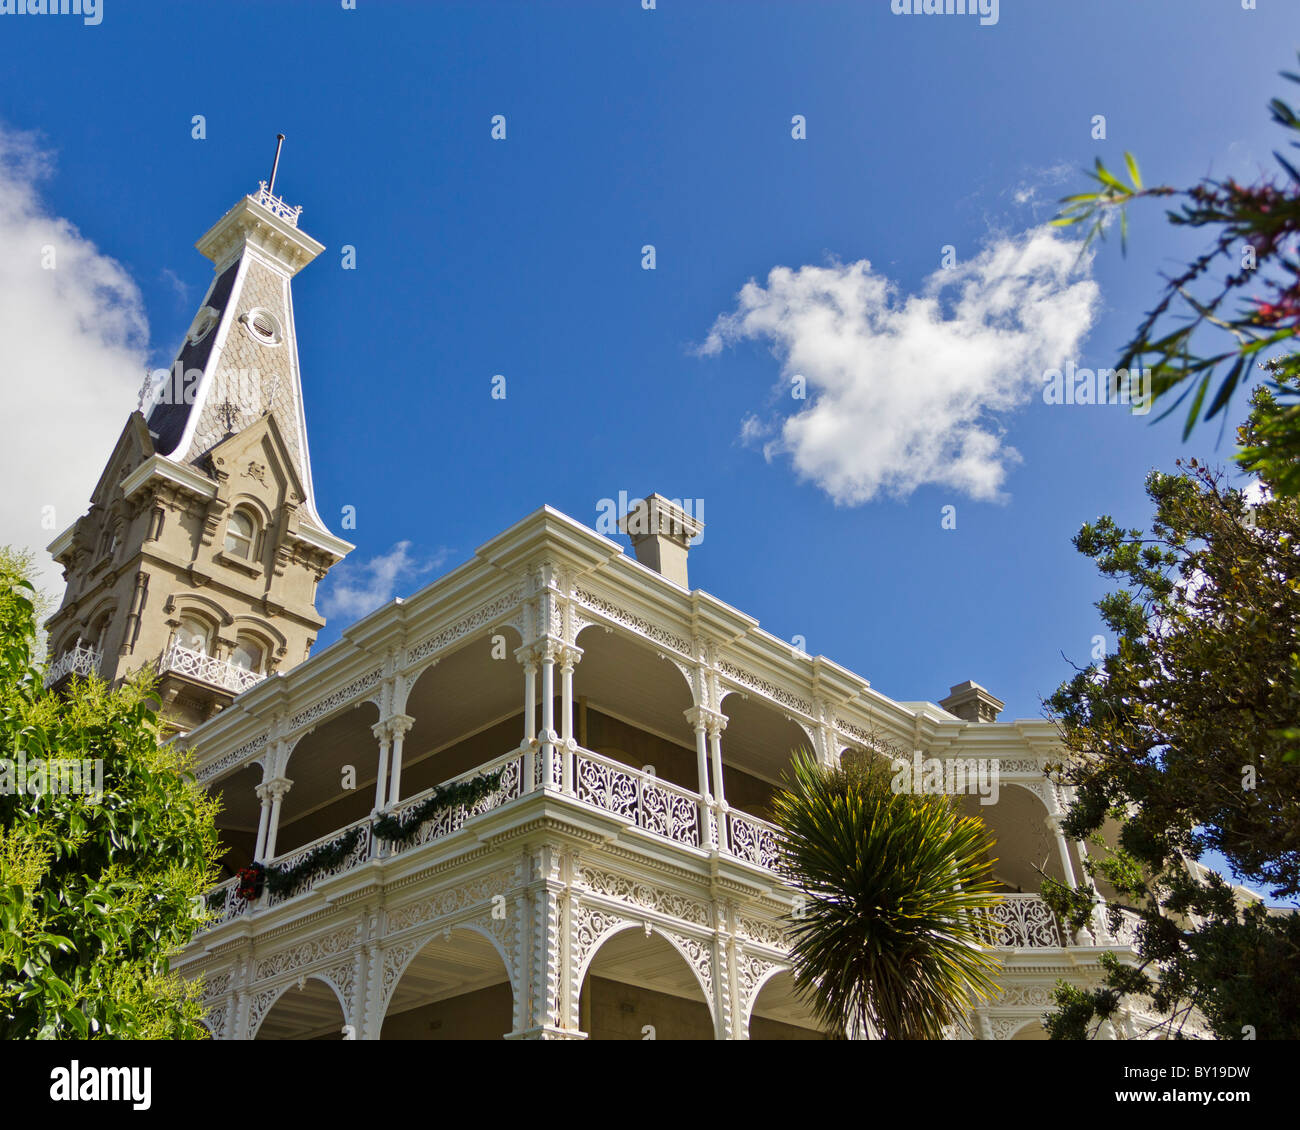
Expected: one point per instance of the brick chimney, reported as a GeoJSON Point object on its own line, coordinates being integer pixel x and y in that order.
{"type": "Point", "coordinates": [661, 533]}
{"type": "Point", "coordinates": [972, 703]}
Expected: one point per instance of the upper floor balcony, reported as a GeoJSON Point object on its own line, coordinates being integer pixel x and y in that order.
{"type": "Point", "coordinates": [77, 660]}
{"type": "Point", "coordinates": [208, 669]}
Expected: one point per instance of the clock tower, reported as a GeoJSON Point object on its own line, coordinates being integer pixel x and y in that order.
{"type": "Point", "coordinates": [201, 551]}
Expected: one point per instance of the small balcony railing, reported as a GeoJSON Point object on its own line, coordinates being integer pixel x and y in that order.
{"type": "Point", "coordinates": [207, 669]}
{"type": "Point", "coordinates": [275, 205]}
{"type": "Point", "coordinates": [1022, 922]}
{"type": "Point", "coordinates": [78, 661]}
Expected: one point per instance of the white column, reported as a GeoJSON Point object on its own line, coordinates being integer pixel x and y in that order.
{"type": "Point", "coordinates": [398, 725]}
{"type": "Point", "coordinates": [715, 747]}
{"type": "Point", "coordinates": [263, 820]}
{"type": "Point", "coordinates": [380, 730]}
{"type": "Point", "coordinates": [569, 657]}
{"type": "Point", "coordinates": [697, 716]}
{"type": "Point", "coordinates": [279, 787]}
{"type": "Point", "coordinates": [1054, 825]}
{"type": "Point", "coordinates": [528, 658]}
{"type": "Point", "coordinates": [548, 713]}
{"type": "Point", "coordinates": [717, 723]}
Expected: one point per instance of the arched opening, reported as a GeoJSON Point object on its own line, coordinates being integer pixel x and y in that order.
{"type": "Point", "coordinates": [194, 633]}
{"type": "Point", "coordinates": [1023, 843]}
{"type": "Point", "coordinates": [333, 772]}
{"type": "Point", "coordinates": [630, 705]}
{"type": "Point", "coordinates": [778, 1013]}
{"type": "Point", "coordinates": [248, 654]}
{"type": "Point", "coordinates": [757, 747]}
{"type": "Point", "coordinates": [455, 988]}
{"type": "Point", "coordinates": [237, 820]}
{"type": "Point", "coordinates": [1033, 1030]}
{"type": "Point", "coordinates": [468, 711]}
{"type": "Point", "coordinates": [308, 1010]}
{"type": "Point", "coordinates": [639, 987]}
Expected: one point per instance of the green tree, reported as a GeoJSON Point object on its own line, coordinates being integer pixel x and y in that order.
{"type": "Point", "coordinates": [897, 888]}
{"type": "Point", "coordinates": [1244, 289]}
{"type": "Point", "coordinates": [1184, 739]}
{"type": "Point", "coordinates": [96, 893]}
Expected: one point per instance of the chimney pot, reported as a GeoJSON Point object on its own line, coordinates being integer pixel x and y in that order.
{"type": "Point", "coordinates": [972, 703]}
{"type": "Point", "coordinates": [661, 532]}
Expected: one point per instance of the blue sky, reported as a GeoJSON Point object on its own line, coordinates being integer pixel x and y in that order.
{"type": "Point", "coordinates": [522, 257]}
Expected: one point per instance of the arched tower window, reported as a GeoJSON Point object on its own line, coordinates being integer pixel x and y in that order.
{"type": "Point", "coordinates": [241, 530]}
{"type": "Point", "coordinates": [248, 655]}
{"type": "Point", "coordinates": [193, 634]}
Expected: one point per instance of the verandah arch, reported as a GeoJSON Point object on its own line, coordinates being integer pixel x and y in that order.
{"type": "Point", "coordinates": [453, 984]}
{"type": "Point", "coordinates": [636, 978]}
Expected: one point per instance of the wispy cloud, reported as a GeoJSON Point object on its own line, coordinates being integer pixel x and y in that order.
{"type": "Point", "coordinates": [172, 279]}
{"type": "Point", "coordinates": [354, 589]}
{"type": "Point", "coordinates": [73, 348]}
{"type": "Point", "coordinates": [905, 390]}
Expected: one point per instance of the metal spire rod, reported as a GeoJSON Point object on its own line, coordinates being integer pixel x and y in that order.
{"type": "Point", "coordinates": [279, 144]}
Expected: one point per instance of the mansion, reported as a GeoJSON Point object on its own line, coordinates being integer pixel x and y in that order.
{"type": "Point", "coordinates": [530, 801]}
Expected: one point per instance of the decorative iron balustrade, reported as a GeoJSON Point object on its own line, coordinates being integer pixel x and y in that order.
{"type": "Point", "coordinates": [224, 903]}
{"type": "Point", "coordinates": [449, 820]}
{"type": "Point", "coordinates": [640, 798]}
{"type": "Point", "coordinates": [1022, 922]}
{"type": "Point", "coordinates": [361, 851]}
{"type": "Point", "coordinates": [753, 840]}
{"type": "Point", "coordinates": [207, 669]}
{"type": "Point", "coordinates": [79, 661]}
{"type": "Point", "coordinates": [275, 205]}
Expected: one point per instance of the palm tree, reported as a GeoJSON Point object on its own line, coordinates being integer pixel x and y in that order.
{"type": "Point", "coordinates": [897, 888]}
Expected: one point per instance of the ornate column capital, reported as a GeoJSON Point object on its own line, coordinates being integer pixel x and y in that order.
{"type": "Point", "coordinates": [712, 721]}
{"type": "Point", "coordinates": [397, 725]}
{"type": "Point", "coordinates": [274, 789]}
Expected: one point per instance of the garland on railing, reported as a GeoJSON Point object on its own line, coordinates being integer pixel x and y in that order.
{"type": "Point", "coordinates": [403, 831]}
{"type": "Point", "coordinates": [282, 880]}
{"type": "Point", "coordinates": [216, 900]}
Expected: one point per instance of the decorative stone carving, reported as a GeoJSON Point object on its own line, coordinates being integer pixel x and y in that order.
{"type": "Point", "coordinates": [482, 615]}
{"type": "Point", "coordinates": [764, 933]}
{"type": "Point", "coordinates": [767, 689]}
{"type": "Point", "coordinates": [261, 1004]}
{"type": "Point", "coordinates": [448, 902]}
{"type": "Point", "coordinates": [751, 972]}
{"type": "Point", "coordinates": [302, 957]}
{"type": "Point", "coordinates": [633, 623]}
{"type": "Point", "coordinates": [353, 690]}
{"type": "Point", "coordinates": [644, 895]}
{"type": "Point", "coordinates": [234, 757]}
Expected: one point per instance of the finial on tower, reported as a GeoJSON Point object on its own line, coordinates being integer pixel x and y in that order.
{"type": "Point", "coordinates": [266, 196]}
{"type": "Point", "coordinates": [279, 144]}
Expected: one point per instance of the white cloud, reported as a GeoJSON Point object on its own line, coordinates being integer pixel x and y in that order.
{"type": "Point", "coordinates": [357, 588]}
{"type": "Point", "coordinates": [73, 348]}
{"type": "Point", "coordinates": [908, 390]}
